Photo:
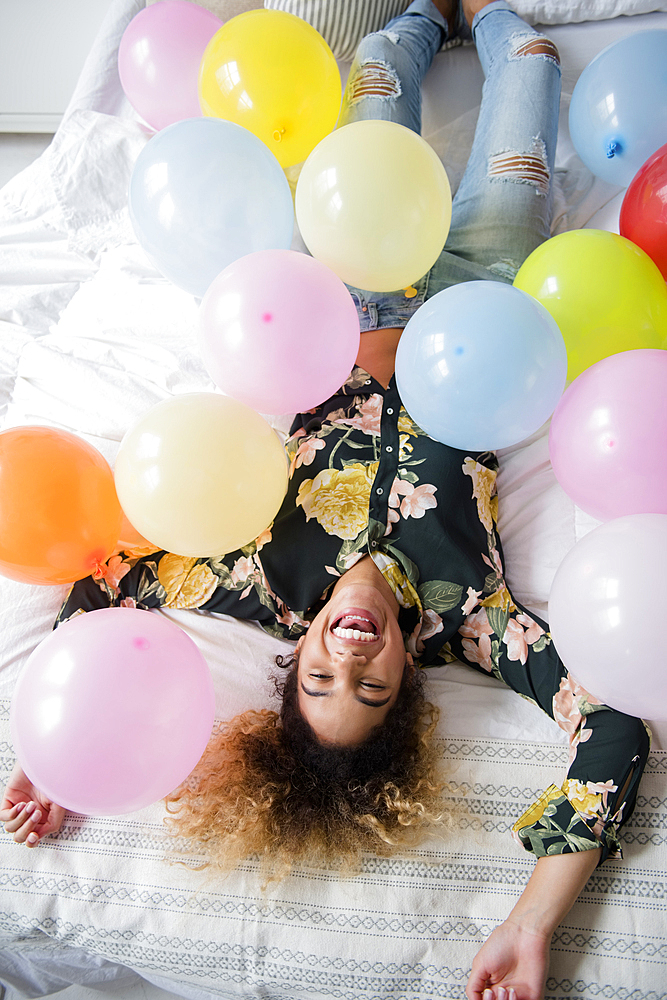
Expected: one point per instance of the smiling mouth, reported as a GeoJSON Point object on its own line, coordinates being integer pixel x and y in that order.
{"type": "Point", "coordinates": [355, 627]}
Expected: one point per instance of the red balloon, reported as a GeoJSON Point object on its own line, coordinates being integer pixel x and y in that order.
{"type": "Point", "coordinates": [644, 209]}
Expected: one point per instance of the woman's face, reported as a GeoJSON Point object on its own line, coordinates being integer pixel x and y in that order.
{"type": "Point", "coordinates": [351, 662]}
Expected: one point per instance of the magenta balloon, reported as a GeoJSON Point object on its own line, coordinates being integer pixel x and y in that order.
{"type": "Point", "coordinates": [597, 605]}
{"type": "Point", "coordinates": [159, 57]}
{"type": "Point", "coordinates": [112, 711]}
{"type": "Point", "coordinates": [608, 436]}
{"type": "Point", "coordinates": [279, 331]}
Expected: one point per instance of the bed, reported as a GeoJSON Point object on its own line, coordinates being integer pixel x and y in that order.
{"type": "Point", "coordinates": [91, 337]}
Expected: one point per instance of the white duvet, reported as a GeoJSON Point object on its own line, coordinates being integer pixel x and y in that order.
{"type": "Point", "coordinates": [90, 338]}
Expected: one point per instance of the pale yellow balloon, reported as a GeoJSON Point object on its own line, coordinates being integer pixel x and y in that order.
{"type": "Point", "coordinates": [201, 474]}
{"type": "Point", "coordinates": [373, 203]}
{"type": "Point", "coordinates": [274, 74]}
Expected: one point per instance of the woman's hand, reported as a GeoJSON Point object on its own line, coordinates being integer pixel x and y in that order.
{"type": "Point", "coordinates": [511, 965]}
{"type": "Point", "coordinates": [26, 812]}
{"type": "Point", "coordinates": [516, 955]}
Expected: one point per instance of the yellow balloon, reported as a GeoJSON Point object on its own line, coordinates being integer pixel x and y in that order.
{"type": "Point", "coordinates": [606, 294]}
{"type": "Point", "coordinates": [373, 203]}
{"type": "Point", "coordinates": [201, 474]}
{"type": "Point", "coordinates": [274, 74]}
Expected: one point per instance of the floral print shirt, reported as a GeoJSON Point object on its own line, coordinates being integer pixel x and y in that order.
{"type": "Point", "coordinates": [365, 479]}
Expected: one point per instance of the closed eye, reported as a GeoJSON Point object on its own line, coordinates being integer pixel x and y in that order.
{"type": "Point", "coordinates": [364, 701]}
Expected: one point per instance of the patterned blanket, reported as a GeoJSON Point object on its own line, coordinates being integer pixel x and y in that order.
{"type": "Point", "coordinates": [404, 927]}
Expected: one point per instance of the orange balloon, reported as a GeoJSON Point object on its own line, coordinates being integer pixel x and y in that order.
{"type": "Point", "coordinates": [59, 513]}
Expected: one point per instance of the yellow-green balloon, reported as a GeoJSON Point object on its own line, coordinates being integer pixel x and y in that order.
{"type": "Point", "coordinates": [373, 203]}
{"type": "Point", "coordinates": [606, 294]}
{"type": "Point", "coordinates": [201, 474]}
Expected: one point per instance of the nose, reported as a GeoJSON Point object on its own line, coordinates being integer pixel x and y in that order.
{"type": "Point", "coordinates": [351, 657]}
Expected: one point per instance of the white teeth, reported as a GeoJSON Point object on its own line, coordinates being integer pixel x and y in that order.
{"type": "Point", "coordinates": [353, 633]}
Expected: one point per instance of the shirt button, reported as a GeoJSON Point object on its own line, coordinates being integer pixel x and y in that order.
{"type": "Point", "coordinates": [379, 491]}
{"type": "Point", "coordinates": [390, 410]}
{"type": "Point", "coordinates": [389, 448]}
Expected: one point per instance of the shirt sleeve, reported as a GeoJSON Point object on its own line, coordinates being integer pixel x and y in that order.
{"type": "Point", "coordinates": [608, 749]}
{"type": "Point", "coordinates": [233, 584]}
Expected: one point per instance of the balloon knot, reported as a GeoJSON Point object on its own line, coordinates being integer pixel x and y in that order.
{"type": "Point", "coordinates": [613, 148]}
{"type": "Point", "coordinates": [410, 292]}
{"type": "Point", "coordinates": [278, 134]}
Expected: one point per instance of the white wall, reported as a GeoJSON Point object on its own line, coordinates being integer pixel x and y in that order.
{"type": "Point", "coordinates": [43, 45]}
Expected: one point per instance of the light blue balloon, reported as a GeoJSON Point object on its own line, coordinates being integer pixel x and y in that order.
{"type": "Point", "coordinates": [618, 112]}
{"type": "Point", "coordinates": [203, 193]}
{"type": "Point", "coordinates": [481, 366]}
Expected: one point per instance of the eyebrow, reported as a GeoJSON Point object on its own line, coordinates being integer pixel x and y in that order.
{"type": "Point", "coordinates": [364, 701]}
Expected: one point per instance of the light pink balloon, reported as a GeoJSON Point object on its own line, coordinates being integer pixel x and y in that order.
{"type": "Point", "coordinates": [159, 58]}
{"type": "Point", "coordinates": [278, 331]}
{"type": "Point", "coordinates": [608, 436]}
{"type": "Point", "coordinates": [112, 711]}
{"type": "Point", "coordinates": [606, 591]}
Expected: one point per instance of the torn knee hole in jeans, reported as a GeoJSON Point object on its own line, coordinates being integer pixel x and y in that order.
{"type": "Point", "coordinates": [523, 168]}
{"type": "Point", "coordinates": [374, 78]}
{"type": "Point", "coordinates": [536, 45]}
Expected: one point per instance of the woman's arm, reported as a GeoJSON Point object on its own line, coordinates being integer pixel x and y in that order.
{"type": "Point", "coordinates": [232, 584]}
{"type": "Point", "coordinates": [516, 955]}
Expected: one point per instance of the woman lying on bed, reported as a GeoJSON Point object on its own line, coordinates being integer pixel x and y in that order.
{"type": "Point", "coordinates": [385, 557]}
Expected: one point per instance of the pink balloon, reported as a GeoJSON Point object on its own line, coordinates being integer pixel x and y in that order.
{"type": "Point", "coordinates": [598, 602]}
{"type": "Point", "coordinates": [159, 57]}
{"type": "Point", "coordinates": [608, 437]}
{"type": "Point", "coordinates": [279, 331]}
{"type": "Point", "coordinates": [112, 711]}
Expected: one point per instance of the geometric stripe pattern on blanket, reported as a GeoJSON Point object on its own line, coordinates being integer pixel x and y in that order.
{"type": "Point", "coordinates": [103, 884]}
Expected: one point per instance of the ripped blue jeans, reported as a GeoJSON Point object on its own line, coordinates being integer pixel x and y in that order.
{"type": "Point", "coordinates": [502, 209]}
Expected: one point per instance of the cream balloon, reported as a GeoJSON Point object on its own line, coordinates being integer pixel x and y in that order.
{"type": "Point", "coordinates": [201, 474]}
{"type": "Point", "coordinates": [373, 203]}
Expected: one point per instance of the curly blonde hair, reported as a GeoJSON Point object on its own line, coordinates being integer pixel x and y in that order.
{"type": "Point", "coordinates": [266, 787]}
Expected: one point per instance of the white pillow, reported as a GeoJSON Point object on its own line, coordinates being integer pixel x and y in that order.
{"type": "Point", "coordinates": [343, 23]}
{"type": "Point", "coordinates": [568, 11]}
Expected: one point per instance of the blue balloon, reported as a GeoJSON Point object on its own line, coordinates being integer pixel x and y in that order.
{"type": "Point", "coordinates": [203, 193]}
{"type": "Point", "coordinates": [481, 366]}
{"type": "Point", "coordinates": [618, 112]}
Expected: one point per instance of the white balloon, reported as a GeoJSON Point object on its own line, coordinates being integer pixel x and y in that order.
{"type": "Point", "coordinates": [605, 609]}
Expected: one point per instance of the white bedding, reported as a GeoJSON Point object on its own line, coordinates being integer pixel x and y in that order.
{"type": "Point", "coordinates": [92, 337]}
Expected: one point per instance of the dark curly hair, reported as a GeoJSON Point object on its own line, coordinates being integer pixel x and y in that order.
{"type": "Point", "coordinates": [268, 787]}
